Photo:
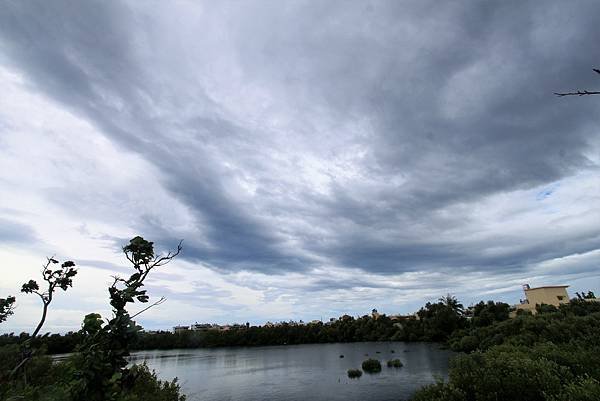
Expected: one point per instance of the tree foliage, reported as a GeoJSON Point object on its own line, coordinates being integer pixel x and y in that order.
{"type": "Point", "coordinates": [7, 307]}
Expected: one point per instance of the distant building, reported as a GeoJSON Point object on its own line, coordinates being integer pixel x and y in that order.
{"type": "Point", "coordinates": [201, 326]}
{"type": "Point", "coordinates": [554, 295]}
{"type": "Point", "coordinates": [399, 318]}
{"type": "Point", "coordinates": [180, 329]}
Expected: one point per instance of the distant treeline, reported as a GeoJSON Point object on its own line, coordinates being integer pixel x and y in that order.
{"type": "Point", "coordinates": [434, 322]}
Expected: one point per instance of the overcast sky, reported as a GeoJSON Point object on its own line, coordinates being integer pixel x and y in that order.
{"type": "Point", "coordinates": [317, 157]}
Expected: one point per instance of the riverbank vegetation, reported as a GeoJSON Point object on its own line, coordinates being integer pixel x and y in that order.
{"type": "Point", "coordinates": [549, 356]}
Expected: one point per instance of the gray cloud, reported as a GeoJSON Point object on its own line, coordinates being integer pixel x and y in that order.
{"type": "Point", "coordinates": [13, 232]}
{"type": "Point", "coordinates": [429, 106]}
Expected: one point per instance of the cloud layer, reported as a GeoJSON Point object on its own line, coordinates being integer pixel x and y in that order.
{"type": "Point", "coordinates": [316, 157]}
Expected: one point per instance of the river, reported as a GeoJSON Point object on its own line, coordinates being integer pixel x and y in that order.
{"type": "Point", "coordinates": [314, 372]}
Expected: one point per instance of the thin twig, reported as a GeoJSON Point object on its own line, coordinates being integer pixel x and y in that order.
{"type": "Point", "coordinates": [578, 93]}
{"type": "Point", "coordinates": [162, 260]}
{"type": "Point", "coordinates": [160, 301]}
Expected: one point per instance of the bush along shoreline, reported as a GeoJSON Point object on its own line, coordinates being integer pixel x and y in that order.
{"type": "Point", "coordinates": [548, 356]}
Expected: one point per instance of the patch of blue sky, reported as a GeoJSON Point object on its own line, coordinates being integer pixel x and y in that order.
{"type": "Point", "coordinates": [546, 192]}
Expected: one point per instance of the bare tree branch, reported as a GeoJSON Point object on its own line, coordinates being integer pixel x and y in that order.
{"type": "Point", "coordinates": [163, 260]}
{"type": "Point", "coordinates": [580, 92]}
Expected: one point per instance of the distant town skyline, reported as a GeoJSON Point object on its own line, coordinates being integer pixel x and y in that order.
{"type": "Point", "coordinates": [317, 158]}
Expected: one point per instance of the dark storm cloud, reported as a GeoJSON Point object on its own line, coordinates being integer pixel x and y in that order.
{"type": "Point", "coordinates": [456, 100]}
{"type": "Point", "coordinates": [512, 137]}
{"type": "Point", "coordinates": [386, 257]}
{"type": "Point", "coordinates": [83, 56]}
{"type": "Point", "coordinates": [523, 137]}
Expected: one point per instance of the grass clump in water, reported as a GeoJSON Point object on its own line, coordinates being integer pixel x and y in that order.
{"type": "Point", "coordinates": [354, 373]}
{"type": "Point", "coordinates": [394, 363]}
{"type": "Point", "coordinates": [371, 366]}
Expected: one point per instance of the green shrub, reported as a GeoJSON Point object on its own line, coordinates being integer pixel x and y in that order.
{"type": "Point", "coordinates": [439, 392]}
{"type": "Point", "coordinates": [147, 387]}
{"type": "Point", "coordinates": [507, 374]}
{"type": "Point", "coordinates": [468, 343]}
{"type": "Point", "coordinates": [371, 366]}
{"type": "Point", "coordinates": [394, 363]}
{"type": "Point", "coordinates": [354, 373]}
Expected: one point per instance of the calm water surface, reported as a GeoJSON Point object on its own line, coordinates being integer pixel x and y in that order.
{"type": "Point", "coordinates": [298, 372]}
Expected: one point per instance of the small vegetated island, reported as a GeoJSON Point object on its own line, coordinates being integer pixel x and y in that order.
{"type": "Point", "coordinates": [371, 366]}
{"type": "Point", "coordinates": [394, 363]}
{"type": "Point", "coordinates": [547, 353]}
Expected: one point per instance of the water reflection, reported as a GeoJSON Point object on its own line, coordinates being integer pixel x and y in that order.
{"type": "Point", "coordinates": [298, 372]}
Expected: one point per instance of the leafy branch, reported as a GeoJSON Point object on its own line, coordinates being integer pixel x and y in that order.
{"type": "Point", "coordinates": [103, 355]}
{"type": "Point", "coordinates": [7, 307]}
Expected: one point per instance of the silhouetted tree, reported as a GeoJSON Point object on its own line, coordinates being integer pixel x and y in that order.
{"type": "Point", "coordinates": [589, 295]}
{"type": "Point", "coordinates": [451, 302]}
{"type": "Point", "coordinates": [485, 314]}
{"type": "Point", "coordinates": [440, 319]}
{"type": "Point", "coordinates": [60, 278]}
